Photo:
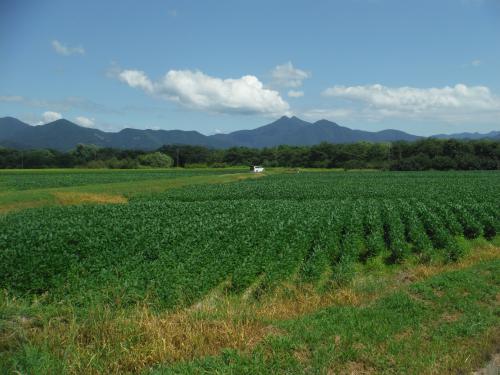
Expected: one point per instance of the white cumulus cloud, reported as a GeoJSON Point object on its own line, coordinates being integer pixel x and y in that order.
{"type": "Point", "coordinates": [137, 79]}
{"type": "Point", "coordinates": [295, 93]}
{"type": "Point", "coordinates": [50, 116]}
{"type": "Point", "coordinates": [196, 90]}
{"type": "Point", "coordinates": [286, 75]}
{"type": "Point", "coordinates": [85, 121]}
{"type": "Point", "coordinates": [66, 50]}
{"type": "Point", "coordinates": [459, 102]}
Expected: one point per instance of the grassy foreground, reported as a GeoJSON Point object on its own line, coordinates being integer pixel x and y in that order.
{"type": "Point", "coordinates": [442, 318]}
{"type": "Point", "coordinates": [445, 324]}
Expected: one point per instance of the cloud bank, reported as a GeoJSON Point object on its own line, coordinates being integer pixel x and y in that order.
{"type": "Point", "coordinates": [455, 103]}
{"type": "Point", "coordinates": [196, 90]}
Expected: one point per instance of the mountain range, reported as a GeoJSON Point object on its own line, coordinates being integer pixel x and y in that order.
{"type": "Point", "coordinates": [491, 135]}
{"type": "Point", "coordinates": [64, 135]}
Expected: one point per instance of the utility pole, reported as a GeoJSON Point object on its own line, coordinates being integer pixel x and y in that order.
{"type": "Point", "coordinates": [177, 164]}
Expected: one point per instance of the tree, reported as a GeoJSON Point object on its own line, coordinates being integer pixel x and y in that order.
{"type": "Point", "coordinates": [85, 153]}
{"type": "Point", "coordinates": [38, 159]}
{"type": "Point", "coordinates": [156, 160]}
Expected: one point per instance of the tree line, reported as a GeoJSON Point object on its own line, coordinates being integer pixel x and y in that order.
{"type": "Point", "coordinates": [419, 155]}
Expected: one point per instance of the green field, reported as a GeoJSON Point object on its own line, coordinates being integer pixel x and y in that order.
{"type": "Point", "coordinates": [218, 271]}
{"type": "Point", "coordinates": [20, 189]}
{"type": "Point", "coordinates": [56, 178]}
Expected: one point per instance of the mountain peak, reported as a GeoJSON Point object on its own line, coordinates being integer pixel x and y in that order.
{"type": "Point", "coordinates": [325, 121]}
{"type": "Point", "coordinates": [289, 121]}
{"type": "Point", "coordinates": [9, 118]}
{"type": "Point", "coordinates": [61, 122]}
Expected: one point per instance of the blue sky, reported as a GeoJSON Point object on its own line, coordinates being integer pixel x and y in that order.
{"type": "Point", "coordinates": [423, 66]}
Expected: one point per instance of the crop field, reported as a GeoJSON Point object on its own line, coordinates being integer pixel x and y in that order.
{"type": "Point", "coordinates": [36, 179]}
{"type": "Point", "coordinates": [20, 189]}
{"type": "Point", "coordinates": [311, 272]}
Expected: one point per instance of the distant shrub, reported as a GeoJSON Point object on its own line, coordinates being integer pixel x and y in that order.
{"type": "Point", "coordinates": [156, 160]}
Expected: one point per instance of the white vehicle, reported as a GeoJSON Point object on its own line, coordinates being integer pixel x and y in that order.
{"type": "Point", "coordinates": [256, 169]}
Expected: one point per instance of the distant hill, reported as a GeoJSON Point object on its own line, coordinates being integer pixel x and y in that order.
{"type": "Point", "coordinates": [490, 135]}
{"type": "Point", "coordinates": [296, 132]}
{"type": "Point", "coordinates": [64, 135]}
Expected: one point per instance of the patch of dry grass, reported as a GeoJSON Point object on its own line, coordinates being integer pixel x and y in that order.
{"type": "Point", "coordinates": [181, 336]}
{"type": "Point", "coordinates": [301, 300]}
{"type": "Point", "coordinates": [11, 207]}
{"type": "Point", "coordinates": [128, 341]}
{"type": "Point", "coordinates": [72, 198]}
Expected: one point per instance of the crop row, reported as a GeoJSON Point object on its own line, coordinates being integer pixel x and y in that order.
{"type": "Point", "coordinates": [443, 186]}
{"type": "Point", "coordinates": [175, 252]}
